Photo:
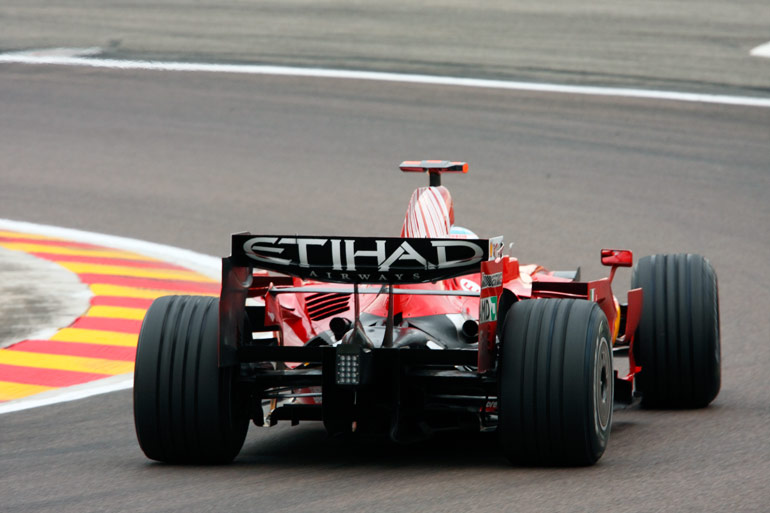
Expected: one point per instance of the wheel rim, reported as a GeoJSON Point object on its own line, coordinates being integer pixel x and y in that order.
{"type": "Point", "coordinates": [602, 384]}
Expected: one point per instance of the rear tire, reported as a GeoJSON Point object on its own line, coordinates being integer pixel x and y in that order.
{"type": "Point", "coordinates": [677, 342]}
{"type": "Point", "coordinates": [556, 383]}
{"type": "Point", "coordinates": [186, 409]}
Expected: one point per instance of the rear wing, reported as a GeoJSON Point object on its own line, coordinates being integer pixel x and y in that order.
{"type": "Point", "coordinates": [434, 168]}
{"type": "Point", "coordinates": [363, 260]}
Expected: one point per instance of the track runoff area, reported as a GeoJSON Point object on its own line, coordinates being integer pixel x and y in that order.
{"type": "Point", "coordinates": [95, 353]}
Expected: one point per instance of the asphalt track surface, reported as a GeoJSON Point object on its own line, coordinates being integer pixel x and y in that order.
{"type": "Point", "coordinates": [185, 159]}
{"type": "Point", "coordinates": [696, 46]}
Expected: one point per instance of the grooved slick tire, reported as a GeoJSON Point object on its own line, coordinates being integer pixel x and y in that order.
{"type": "Point", "coordinates": [186, 409]}
{"type": "Point", "coordinates": [556, 383]}
{"type": "Point", "coordinates": [677, 341]}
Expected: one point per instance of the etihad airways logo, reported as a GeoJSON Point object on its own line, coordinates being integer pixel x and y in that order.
{"type": "Point", "coordinates": [364, 260]}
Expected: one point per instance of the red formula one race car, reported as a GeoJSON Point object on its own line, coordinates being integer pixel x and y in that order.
{"type": "Point", "coordinates": [436, 329]}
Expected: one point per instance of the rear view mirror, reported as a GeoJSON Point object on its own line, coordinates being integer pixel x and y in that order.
{"type": "Point", "coordinates": [617, 257]}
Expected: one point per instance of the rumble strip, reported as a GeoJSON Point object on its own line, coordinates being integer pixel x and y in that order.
{"type": "Point", "coordinates": [102, 342]}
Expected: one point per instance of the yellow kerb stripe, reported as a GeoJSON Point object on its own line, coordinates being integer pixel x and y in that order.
{"type": "Point", "coordinates": [109, 338]}
{"type": "Point", "coordinates": [64, 250]}
{"type": "Point", "coordinates": [136, 272]}
{"type": "Point", "coordinates": [10, 391]}
{"type": "Point", "coordinates": [117, 312]}
{"type": "Point", "coordinates": [101, 289]}
{"type": "Point", "coordinates": [64, 362]}
{"type": "Point", "coordinates": [31, 236]}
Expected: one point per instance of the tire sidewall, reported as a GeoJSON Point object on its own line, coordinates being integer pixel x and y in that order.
{"type": "Point", "coordinates": [186, 408]}
{"type": "Point", "coordinates": [556, 355]}
{"type": "Point", "coordinates": [677, 343]}
{"type": "Point", "coordinates": [599, 361]}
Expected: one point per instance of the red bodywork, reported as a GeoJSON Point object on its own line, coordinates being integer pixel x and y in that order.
{"type": "Point", "coordinates": [430, 214]}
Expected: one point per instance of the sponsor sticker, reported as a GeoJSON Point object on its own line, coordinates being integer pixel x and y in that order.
{"type": "Point", "coordinates": [496, 247]}
{"type": "Point", "coordinates": [361, 259]}
{"type": "Point", "coordinates": [488, 309]}
{"type": "Point", "coordinates": [491, 280]}
{"type": "Point", "coordinates": [469, 285]}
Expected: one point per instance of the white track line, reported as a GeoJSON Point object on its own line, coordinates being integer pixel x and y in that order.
{"type": "Point", "coordinates": [762, 50]}
{"type": "Point", "coordinates": [80, 57]}
{"type": "Point", "coordinates": [204, 264]}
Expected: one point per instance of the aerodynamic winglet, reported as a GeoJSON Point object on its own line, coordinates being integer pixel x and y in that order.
{"type": "Point", "coordinates": [434, 168]}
